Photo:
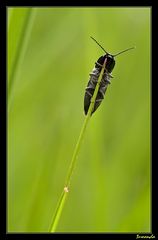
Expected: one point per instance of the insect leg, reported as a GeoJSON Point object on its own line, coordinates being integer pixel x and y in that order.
{"type": "Point", "coordinates": [99, 64]}
{"type": "Point", "coordinates": [88, 91]}
{"type": "Point", "coordinates": [101, 97]}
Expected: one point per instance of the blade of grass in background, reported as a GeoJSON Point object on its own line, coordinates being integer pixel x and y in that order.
{"type": "Point", "coordinates": [22, 42]}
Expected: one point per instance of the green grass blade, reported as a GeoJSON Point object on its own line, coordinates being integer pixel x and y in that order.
{"type": "Point", "coordinates": [62, 199]}
{"type": "Point", "coordinates": [22, 46]}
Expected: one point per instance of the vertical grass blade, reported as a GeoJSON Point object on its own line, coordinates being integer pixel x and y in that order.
{"type": "Point", "coordinates": [62, 199]}
{"type": "Point", "coordinates": [22, 46]}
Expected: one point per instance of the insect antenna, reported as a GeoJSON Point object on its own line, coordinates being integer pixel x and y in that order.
{"type": "Point", "coordinates": [99, 45]}
{"type": "Point", "coordinates": [123, 51]}
{"type": "Point", "coordinates": [111, 54]}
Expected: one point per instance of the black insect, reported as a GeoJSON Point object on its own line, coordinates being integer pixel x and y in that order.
{"type": "Point", "coordinates": [94, 75]}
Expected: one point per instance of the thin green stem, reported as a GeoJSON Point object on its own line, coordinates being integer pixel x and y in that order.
{"type": "Point", "coordinates": [62, 199]}
{"type": "Point", "coordinates": [58, 211]}
{"type": "Point", "coordinates": [22, 46]}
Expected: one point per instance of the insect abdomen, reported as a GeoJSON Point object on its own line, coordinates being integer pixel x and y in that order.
{"type": "Point", "coordinates": [94, 75]}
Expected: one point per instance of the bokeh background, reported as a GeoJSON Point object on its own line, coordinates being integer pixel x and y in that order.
{"type": "Point", "coordinates": [50, 56]}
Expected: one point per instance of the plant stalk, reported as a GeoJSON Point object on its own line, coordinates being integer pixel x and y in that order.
{"type": "Point", "coordinates": [65, 191]}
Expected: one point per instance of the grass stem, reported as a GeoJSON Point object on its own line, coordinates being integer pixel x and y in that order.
{"type": "Point", "coordinates": [65, 191]}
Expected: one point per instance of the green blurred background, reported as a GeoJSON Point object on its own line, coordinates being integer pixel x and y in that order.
{"type": "Point", "coordinates": [50, 56]}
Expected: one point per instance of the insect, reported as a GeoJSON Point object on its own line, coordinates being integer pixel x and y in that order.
{"type": "Point", "coordinates": [105, 81]}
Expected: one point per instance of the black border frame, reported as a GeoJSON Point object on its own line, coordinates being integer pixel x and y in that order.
{"type": "Point", "coordinates": [154, 125]}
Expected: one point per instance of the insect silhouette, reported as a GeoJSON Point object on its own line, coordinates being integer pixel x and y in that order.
{"type": "Point", "coordinates": [105, 81]}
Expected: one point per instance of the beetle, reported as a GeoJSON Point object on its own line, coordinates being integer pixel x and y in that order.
{"type": "Point", "coordinates": [105, 81]}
